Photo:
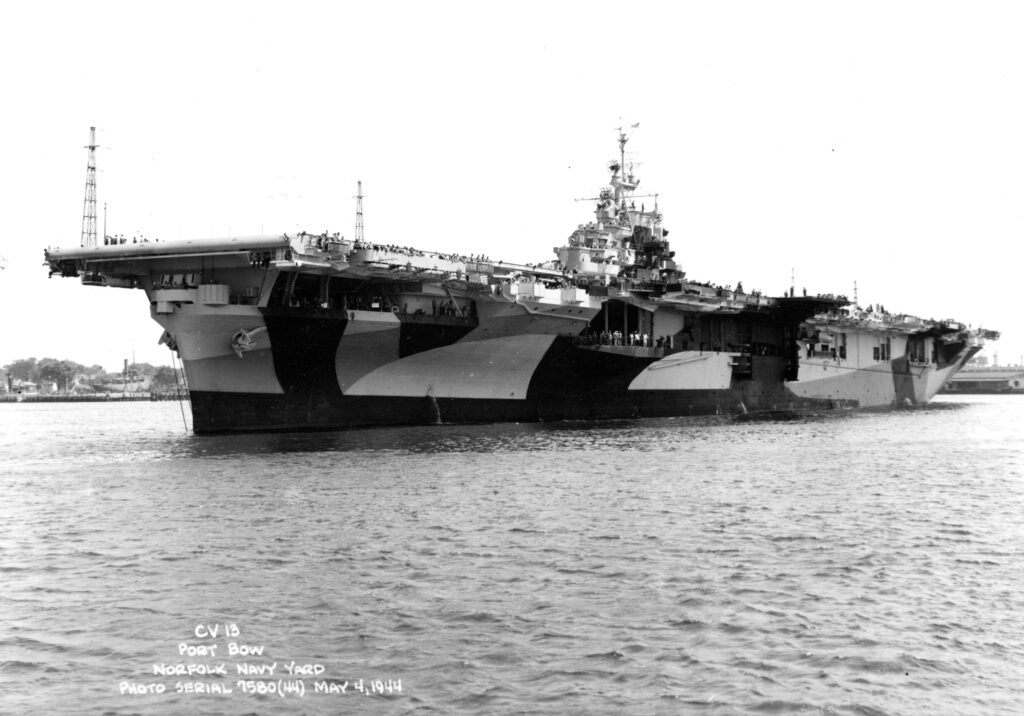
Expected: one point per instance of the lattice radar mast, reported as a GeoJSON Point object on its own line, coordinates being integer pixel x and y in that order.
{"type": "Point", "coordinates": [89, 210]}
{"type": "Point", "coordinates": [359, 211]}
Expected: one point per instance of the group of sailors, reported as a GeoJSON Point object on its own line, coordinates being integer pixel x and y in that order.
{"type": "Point", "coordinates": [122, 239]}
{"type": "Point", "coordinates": [389, 248]}
{"type": "Point", "coordinates": [365, 302]}
{"type": "Point", "coordinates": [320, 241]}
{"type": "Point", "coordinates": [260, 259]}
{"type": "Point", "coordinates": [791, 292]}
{"type": "Point", "coordinates": [409, 251]}
{"type": "Point", "coordinates": [446, 308]}
{"type": "Point", "coordinates": [719, 291]}
{"type": "Point", "coordinates": [175, 282]}
{"type": "Point", "coordinates": [634, 339]}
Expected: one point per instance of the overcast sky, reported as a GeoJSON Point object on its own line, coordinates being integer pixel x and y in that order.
{"type": "Point", "coordinates": [876, 143]}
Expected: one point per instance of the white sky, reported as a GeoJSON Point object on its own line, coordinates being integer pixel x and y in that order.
{"type": "Point", "coordinates": [881, 143]}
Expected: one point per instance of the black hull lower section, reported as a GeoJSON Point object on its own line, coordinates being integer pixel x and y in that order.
{"type": "Point", "coordinates": [254, 412]}
{"type": "Point", "coordinates": [565, 382]}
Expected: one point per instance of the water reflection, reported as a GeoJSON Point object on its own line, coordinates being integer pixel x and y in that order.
{"type": "Point", "coordinates": [624, 435]}
{"type": "Point", "coordinates": [131, 433]}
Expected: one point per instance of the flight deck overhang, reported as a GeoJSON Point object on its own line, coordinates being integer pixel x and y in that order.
{"type": "Point", "coordinates": [131, 258]}
{"type": "Point", "coordinates": [160, 249]}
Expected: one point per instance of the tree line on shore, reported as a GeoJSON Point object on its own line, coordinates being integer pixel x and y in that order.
{"type": "Point", "coordinates": [65, 376]}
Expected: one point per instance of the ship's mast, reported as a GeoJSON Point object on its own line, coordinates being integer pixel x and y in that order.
{"type": "Point", "coordinates": [359, 211]}
{"type": "Point", "coordinates": [622, 150]}
{"type": "Point", "coordinates": [623, 180]}
{"type": "Point", "coordinates": [89, 210]}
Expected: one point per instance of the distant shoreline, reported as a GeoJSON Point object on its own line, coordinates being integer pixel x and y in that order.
{"type": "Point", "coordinates": [94, 398]}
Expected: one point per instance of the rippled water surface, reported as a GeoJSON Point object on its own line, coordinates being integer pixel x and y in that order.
{"type": "Point", "coordinates": [868, 563]}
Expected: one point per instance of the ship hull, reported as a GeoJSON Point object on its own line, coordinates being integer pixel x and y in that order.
{"type": "Point", "coordinates": [321, 374]}
{"type": "Point", "coordinates": [322, 369]}
{"type": "Point", "coordinates": [254, 412]}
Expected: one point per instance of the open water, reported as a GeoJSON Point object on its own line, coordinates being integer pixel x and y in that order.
{"type": "Point", "coordinates": [864, 563]}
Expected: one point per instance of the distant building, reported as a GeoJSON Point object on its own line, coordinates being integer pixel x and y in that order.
{"type": "Point", "coordinates": [987, 380]}
{"type": "Point", "coordinates": [24, 387]}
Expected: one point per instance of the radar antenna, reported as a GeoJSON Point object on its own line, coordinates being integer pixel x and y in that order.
{"type": "Point", "coordinates": [623, 138]}
{"type": "Point", "coordinates": [89, 210]}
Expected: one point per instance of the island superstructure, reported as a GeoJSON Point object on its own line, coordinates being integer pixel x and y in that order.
{"type": "Point", "coordinates": [313, 331]}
